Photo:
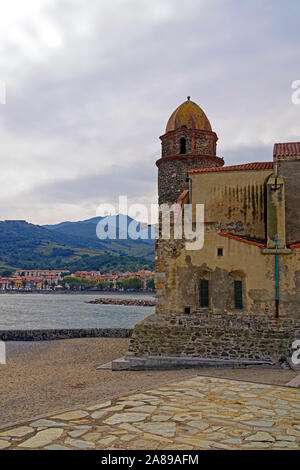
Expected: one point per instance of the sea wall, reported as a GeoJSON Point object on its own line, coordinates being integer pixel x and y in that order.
{"type": "Point", "coordinates": [251, 337]}
{"type": "Point", "coordinates": [48, 335]}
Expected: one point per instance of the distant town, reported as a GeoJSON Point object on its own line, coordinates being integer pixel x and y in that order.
{"type": "Point", "coordinates": [56, 280]}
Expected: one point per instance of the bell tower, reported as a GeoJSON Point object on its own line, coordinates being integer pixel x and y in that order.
{"type": "Point", "coordinates": [188, 143]}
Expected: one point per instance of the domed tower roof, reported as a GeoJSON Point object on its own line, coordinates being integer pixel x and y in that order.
{"type": "Point", "coordinates": [188, 115]}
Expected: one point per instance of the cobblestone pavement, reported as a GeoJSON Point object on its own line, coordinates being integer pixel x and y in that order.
{"type": "Point", "coordinates": [197, 413]}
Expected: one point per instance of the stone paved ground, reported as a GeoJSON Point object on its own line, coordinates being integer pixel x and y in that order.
{"type": "Point", "coordinates": [197, 413]}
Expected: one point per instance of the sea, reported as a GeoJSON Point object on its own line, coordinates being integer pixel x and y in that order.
{"type": "Point", "coordinates": [54, 310]}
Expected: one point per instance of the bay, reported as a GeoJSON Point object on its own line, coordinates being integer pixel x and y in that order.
{"type": "Point", "coordinates": [43, 311]}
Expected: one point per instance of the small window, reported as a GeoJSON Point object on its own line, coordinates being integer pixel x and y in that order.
{"type": "Point", "coordinates": [204, 293]}
{"type": "Point", "coordinates": [220, 251]}
{"type": "Point", "coordinates": [187, 310]}
{"type": "Point", "coordinates": [238, 294]}
{"type": "Point", "coordinates": [182, 146]}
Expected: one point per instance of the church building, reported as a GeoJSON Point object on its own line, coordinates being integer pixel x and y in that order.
{"type": "Point", "coordinates": [237, 298]}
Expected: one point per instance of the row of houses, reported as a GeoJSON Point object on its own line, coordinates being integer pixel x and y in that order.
{"type": "Point", "coordinates": [33, 279]}
{"type": "Point", "coordinates": [46, 279]}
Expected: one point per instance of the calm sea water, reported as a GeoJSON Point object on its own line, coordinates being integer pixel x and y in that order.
{"type": "Point", "coordinates": [35, 311]}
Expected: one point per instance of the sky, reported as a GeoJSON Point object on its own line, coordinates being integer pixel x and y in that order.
{"type": "Point", "coordinates": [90, 86]}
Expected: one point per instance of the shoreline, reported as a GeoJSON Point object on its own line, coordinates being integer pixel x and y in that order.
{"type": "Point", "coordinates": [67, 292]}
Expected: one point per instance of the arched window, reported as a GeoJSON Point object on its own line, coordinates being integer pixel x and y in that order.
{"type": "Point", "coordinates": [182, 145]}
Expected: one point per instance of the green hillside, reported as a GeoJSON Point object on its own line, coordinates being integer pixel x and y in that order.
{"type": "Point", "coordinates": [24, 245]}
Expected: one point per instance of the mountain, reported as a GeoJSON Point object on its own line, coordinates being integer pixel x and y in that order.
{"type": "Point", "coordinates": [125, 228]}
{"type": "Point", "coordinates": [70, 245]}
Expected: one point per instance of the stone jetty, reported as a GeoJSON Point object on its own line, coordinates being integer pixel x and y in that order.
{"type": "Point", "coordinates": [117, 301]}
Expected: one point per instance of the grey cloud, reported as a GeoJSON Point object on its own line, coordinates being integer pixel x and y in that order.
{"type": "Point", "coordinates": [96, 104]}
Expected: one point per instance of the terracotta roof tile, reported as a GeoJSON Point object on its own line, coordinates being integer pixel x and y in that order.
{"type": "Point", "coordinates": [245, 240]}
{"type": "Point", "coordinates": [295, 245]}
{"type": "Point", "coordinates": [244, 167]}
{"type": "Point", "coordinates": [286, 149]}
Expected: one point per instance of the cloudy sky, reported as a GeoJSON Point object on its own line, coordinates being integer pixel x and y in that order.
{"type": "Point", "coordinates": [91, 84]}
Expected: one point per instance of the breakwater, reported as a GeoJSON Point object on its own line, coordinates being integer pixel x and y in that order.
{"type": "Point", "coordinates": [116, 301]}
{"type": "Point", "coordinates": [54, 334]}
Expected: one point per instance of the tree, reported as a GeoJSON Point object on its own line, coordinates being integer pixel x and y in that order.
{"type": "Point", "coordinates": [104, 285]}
{"type": "Point", "coordinates": [150, 284]}
{"type": "Point", "coordinates": [132, 283]}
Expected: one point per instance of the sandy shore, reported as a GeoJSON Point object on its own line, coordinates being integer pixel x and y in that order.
{"type": "Point", "coordinates": [45, 377]}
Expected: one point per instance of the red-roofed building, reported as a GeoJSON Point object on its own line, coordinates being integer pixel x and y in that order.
{"type": "Point", "coordinates": [234, 291]}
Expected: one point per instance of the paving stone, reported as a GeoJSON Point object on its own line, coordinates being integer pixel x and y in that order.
{"type": "Point", "coordinates": [47, 423]}
{"type": "Point", "coordinates": [198, 424]}
{"type": "Point", "coordinates": [77, 433]}
{"type": "Point", "coordinates": [166, 429]}
{"type": "Point", "coordinates": [78, 444]}
{"type": "Point", "coordinates": [145, 444]}
{"type": "Point", "coordinates": [92, 436]}
{"type": "Point", "coordinates": [220, 445]}
{"type": "Point", "coordinates": [199, 413]}
{"type": "Point", "coordinates": [195, 442]}
{"type": "Point", "coordinates": [126, 417]}
{"type": "Point", "coordinates": [99, 414]}
{"type": "Point", "coordinates": [261, 437]}
{"type": "Point", "coordinates": [4, 444]}
{"type": "Point", "coordinates": [115, 408]}
{"type": "Point", "coordinates": [127, 437]}
{"type": "Point", "coordinates": [107, 441]}
{"type": "Point", "coordinates": [98, 405]}
{"type": "Point", "coordinates": [57, 447]}
{"type": "Point", "coordinates": [83, 426]}
{"type": "Point", "coordinates": [264, 424]}
{"type": "Point", "coordinates": [179, 447]}
{"type": "Point", "coordinates": [192, 416]}
{"type": "Point", "coordinates": [256, 445]}
{"type": "Point", "coordinates": [133, 403]}
{"type": "Point", "coordinates": [144, 409]}
{"type": "Point", "coordinates": [129, 427]}
{"type": "Point", "coordinates": [161, 439]}
{"type": "Point", "coordinates": [42, 438]}
{"type": "Point", "coordinates": [232, 441]}
{"type": "Point", "coordinates": [71, 415]}
{"type": "Point", "coordinates": [17, 432]}
{"type": "Point", "coordinates": [287, 445]}
{"type": "Point", "coordinates": [160, 417]}
{"type": "Point", "coordinates": [285, 438]}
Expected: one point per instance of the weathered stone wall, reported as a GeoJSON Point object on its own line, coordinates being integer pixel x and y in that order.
{"type": "Point", "coordinates": [290, 171]}
{"type": "Point", "coordinates": [172, 175]}
{"type": "Point", "coordinates": [237, 201]}
{"type": "Point", "coordinates": [179, 271]}
{"type": "Point", "coordinates": [213, 336]}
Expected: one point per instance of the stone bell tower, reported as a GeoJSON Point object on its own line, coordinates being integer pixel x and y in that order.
{"type": "Point", "coordinates": [189, 143]}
